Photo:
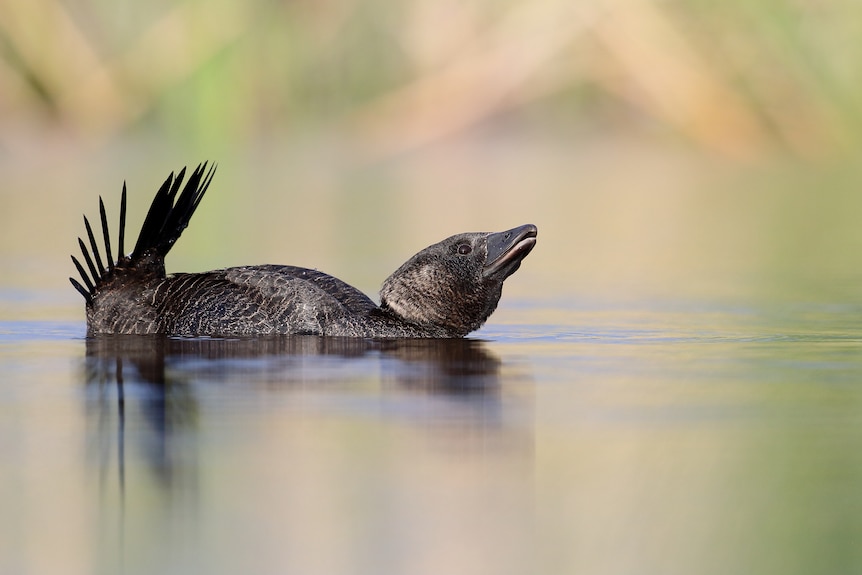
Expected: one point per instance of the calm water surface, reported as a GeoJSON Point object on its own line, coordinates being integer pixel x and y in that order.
{"type": "Point", "coordinates": [636, 438]}
{"type": "Point", "coordinates": [670, 386]}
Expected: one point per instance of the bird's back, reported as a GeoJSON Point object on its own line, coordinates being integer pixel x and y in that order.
{"type": "Point", "coordinates": [248, 300]}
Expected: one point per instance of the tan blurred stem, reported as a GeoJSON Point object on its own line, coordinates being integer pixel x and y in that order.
{"type": "Point", "coordinates": [99, 96]}
{"type": "Point", "coordinates": [40, 31]}
{"type": "Point", "coordinates": [661, 72]}
{"type": "Point", "coordinates": [488, 75]}
{"type": "Point", "coordinates": [675, 83]}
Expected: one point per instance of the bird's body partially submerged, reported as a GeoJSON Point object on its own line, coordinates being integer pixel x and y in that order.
{"type": "Point", "coordinates": [446, 290]}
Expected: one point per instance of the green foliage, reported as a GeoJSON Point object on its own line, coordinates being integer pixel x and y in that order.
{"type": "Point", "coordinates": [740, 78]}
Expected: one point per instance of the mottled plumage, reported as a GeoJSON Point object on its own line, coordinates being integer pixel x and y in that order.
{"type": "Point", "coordinates": [447, 290]}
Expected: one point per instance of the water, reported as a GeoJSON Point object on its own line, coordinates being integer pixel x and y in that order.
{"type": "Point", "coordinates": [638, 442]}
{"type": "Point", "coordinates": [671, 385]}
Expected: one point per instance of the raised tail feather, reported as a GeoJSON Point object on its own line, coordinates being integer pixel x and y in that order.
{"type": "Point", "coordinates": [168, 216]}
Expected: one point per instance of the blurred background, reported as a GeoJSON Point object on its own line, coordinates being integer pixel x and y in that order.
{"type": "Point", "coordinates": [667, 147]}
{"type": "Point", "coordinates": [740, 79]}
{"type": "Point", "coordinates": [673, 371]}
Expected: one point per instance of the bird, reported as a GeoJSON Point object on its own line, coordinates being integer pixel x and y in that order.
{"type": "Point", "coordinates": [446, 290]}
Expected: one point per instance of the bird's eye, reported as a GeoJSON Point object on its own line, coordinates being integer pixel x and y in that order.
{"type": "Point", "coordinates": [464, 249]}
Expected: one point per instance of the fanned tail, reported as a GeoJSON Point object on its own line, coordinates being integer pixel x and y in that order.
{"type": "Point", "coordinates": [168, 216]}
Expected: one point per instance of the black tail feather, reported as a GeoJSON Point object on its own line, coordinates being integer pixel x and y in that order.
{"type": "Point", "coordinates": [158, 214]}
{"type": "Point", "coordinates": [81, 289]}
{"type": "Point", "coordinates": [93, 273]}
{"type": "Point", "coordinates": [166, 219]}
{"type": "Point", "coordinates": [95, 248]}
{"type": "Point", "coordinates": [105, 234]}
{"type": "Point", "coordinates": [86, 292]}
{"type": "Point", "coordinates": [120, 251]}
{"type": "Point", "coordinates": [83, 273]}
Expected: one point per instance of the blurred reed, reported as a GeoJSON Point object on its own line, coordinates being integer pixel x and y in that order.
{"type": "Point", "coordinates": [741, 78]}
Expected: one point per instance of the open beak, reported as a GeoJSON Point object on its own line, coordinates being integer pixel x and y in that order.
{"type": "Point", "coordinates": [507, 249]}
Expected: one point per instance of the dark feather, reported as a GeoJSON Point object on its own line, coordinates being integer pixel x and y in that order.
{"type": "Point", "coordinates": [95, 248]}
{"type": "Point", "coordinates": [120, 251]}
{"type": "Point", "coordinates": [81, 289]}
{"type": "Point", "coordinates": [106, 235]}
{"type": "Point", "coordinates": [93, 272]}
{"type": "Point", "coordinates": [156, 216]}
{"type": "Point", "coordinates": [84, 275]}
{"type": "Point", "coordinates": [169, 214]}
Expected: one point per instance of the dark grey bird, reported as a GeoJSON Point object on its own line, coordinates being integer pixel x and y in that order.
{"type": "Point", "coordinates": [446, 290]}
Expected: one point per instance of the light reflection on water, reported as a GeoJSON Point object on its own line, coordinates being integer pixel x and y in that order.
{"type": "Point", "coordinates": [338, 421]}
{"type": "Point", "coordinates": [639, 438]}
{"type": "Point", "coordinates": [670, 385]}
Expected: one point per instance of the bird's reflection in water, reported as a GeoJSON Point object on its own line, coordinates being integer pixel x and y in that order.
{"type": "Point", "coordinates": [182, 431]}
{"type": "Point", "coordinates": [159, 379]}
